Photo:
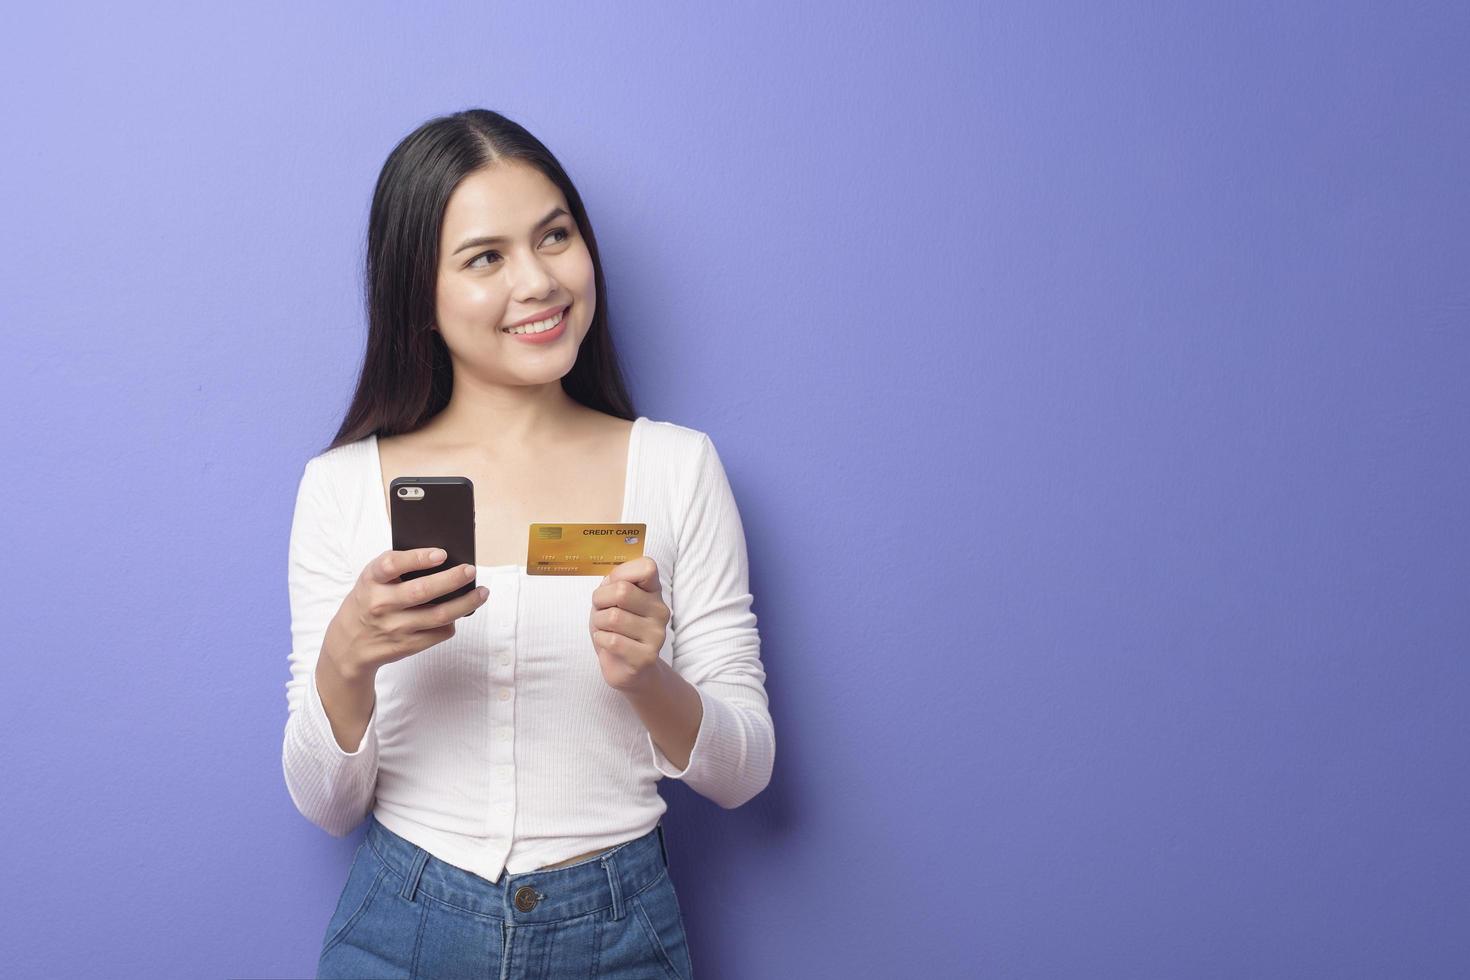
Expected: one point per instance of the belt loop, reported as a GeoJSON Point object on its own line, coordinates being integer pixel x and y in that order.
{"type": "Point", "coordinates": [609, 864]}
{"type": "Point", "coordinates": [415, 868]}
{"type": "Point", "coordinates": [662, 848]}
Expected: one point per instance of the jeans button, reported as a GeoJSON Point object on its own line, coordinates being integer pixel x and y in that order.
{"type": "Point", "coordinates": [526, 898]}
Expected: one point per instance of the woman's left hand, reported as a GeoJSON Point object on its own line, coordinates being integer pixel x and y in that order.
{"type": "Point", "coordinates": [629, 622]}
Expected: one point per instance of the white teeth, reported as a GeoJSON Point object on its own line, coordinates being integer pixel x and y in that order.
{"type": "Point", "coordinates": [539, 327]}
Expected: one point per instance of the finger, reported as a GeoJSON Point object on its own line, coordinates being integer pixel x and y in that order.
{"type": "Point", "coordinates": [626, 595]}
{"type": "Point", "coordinates": [622, 622]}
{"type": "Point", "coordinates": [388, 566]}
{"type": "Point", "coordinates": [417, 591]}
{"type": "Point", "coordinates": [443, 613]}
{"type": "Point", "coordinates": [641, 571]}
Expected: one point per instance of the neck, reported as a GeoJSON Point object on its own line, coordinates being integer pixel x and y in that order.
{"type": "Point", "coordinates": [510, 418]}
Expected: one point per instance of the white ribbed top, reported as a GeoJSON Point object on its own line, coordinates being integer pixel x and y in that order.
{"type": "Point", "coordinates": [503, 747]}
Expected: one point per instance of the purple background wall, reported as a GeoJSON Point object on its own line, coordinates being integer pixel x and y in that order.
{"type": "Point", "coordinates": [1092, 378]}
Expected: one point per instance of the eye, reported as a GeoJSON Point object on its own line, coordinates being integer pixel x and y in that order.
{"type": "Point", "coordinates": [564, 233]}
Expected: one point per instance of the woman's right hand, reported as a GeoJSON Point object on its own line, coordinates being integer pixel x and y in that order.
{"type": "Point", "coordinates": [378, 622]}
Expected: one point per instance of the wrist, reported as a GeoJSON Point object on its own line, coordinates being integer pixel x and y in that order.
{"type": "Point", "coordinates": [336, 656]}
{"type": "Point", "coordinates": [647, 684]}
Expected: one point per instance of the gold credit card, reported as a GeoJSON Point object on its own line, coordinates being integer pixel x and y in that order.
{"type": "Point", "coordinates": [582, 549]}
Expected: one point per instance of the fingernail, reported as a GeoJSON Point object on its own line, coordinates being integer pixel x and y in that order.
{"type": "Point", "coordinates": [437, 555]}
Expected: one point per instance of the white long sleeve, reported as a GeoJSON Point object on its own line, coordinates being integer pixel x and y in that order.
{"type": "Point", "coordinates": [503, 747]}
{"type": "Point", "coordinates": [717, 645]}
{"type": "Point", "coordinates": [331, 787]}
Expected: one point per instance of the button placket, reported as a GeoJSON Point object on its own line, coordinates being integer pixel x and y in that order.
{"type": "Point", "coordinates": [501, 707]}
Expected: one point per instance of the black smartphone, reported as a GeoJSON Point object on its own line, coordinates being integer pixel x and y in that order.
{"type": "Point", "coordinates": [435, 512]}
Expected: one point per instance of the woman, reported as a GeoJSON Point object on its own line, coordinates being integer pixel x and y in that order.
{"type": "Point", "coordinates": [507, 761]}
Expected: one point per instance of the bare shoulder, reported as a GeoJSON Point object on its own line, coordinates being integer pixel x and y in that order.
{"type": "Point", "coordinates": [411, 449]}
{"type": "Point", "coordinates": [603, 424]}
{"type": "Point", "coordinates": [597, 432]}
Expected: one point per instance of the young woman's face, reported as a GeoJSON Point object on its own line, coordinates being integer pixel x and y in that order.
{"type": "Point", "coordinates": [538, 267]}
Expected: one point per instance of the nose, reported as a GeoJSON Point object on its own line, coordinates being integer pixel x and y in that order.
{"type": "Point", "coordinates": [533, 281]}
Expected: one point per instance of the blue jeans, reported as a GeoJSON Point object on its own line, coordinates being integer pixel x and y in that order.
{"type": "Point", "coordinates": [405, 913]}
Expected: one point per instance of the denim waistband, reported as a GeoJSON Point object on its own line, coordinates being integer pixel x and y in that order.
{"type": "Point", "coordinates": [606, 880]}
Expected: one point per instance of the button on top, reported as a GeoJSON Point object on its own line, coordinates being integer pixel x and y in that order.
{"type": "Point", "coordinates": [505, 694]}
{"type": "Point", "coordinates": [526, 898]}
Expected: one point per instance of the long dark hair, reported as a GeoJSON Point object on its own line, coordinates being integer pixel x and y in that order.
{"type": "Point", "coordinates": [406, 373]}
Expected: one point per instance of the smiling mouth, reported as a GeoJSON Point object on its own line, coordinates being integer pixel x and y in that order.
{"type": "Point", "coordinates": [540, 326]}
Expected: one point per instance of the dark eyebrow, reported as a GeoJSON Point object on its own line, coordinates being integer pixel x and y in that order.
{"type": "Point", "coordinates": [551, 215]}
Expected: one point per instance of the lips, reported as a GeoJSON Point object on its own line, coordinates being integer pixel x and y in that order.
{"type": "Point", "coordinates": [544, 337]}
{"type": "Point", "coordinates": [537, 318]}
